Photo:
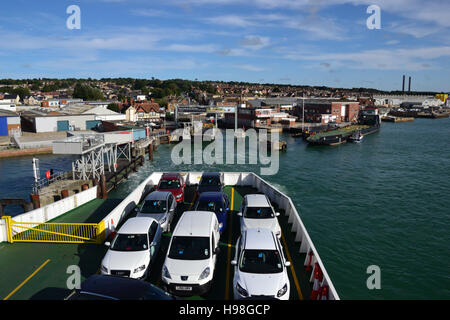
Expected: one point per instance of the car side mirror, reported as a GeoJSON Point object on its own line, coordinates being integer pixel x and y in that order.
{"type": "Point", "coordinates": [277, 214]}
{"type": "Point", "coordinates": [233, 262]}
{"type": "Point", "coordinates": [287, 263]}
{"type": "Point", "coordinates": [217, 250]}
{"type": "Point", "coordinates": [107, 243]}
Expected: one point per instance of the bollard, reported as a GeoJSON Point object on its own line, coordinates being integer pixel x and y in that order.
{"type": "Point", "coordinates": [64, 194]}
{"type": "Point", "coordinates": [35, 201]}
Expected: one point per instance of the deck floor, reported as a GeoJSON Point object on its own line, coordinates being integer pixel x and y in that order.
{"type": "Point", "coordinates": [20, 260]}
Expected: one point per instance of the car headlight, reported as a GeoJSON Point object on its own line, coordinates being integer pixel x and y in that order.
{"type": "Point", "coordinates": [139, 269]}
{"type": "Point", "coordinates": [282, 291]}
{"type": "Point", "coordinates": [205, 273]}
{"type": "Point", "coordinates": [166, 273]}
{"type": "Point", "coordinates": [104, 269]}
{"type": "Point", "coordinates": [241, 290]}
{"type": "Point", "coordinates": [179, 196]}
{"type": "Point", "coordinates": [220, 225]}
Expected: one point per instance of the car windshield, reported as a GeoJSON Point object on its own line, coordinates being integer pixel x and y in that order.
{"type": "Point", "coordinates": [259, 212]}
{"type": "Point", "coordinates": [130, 242]}
{"type": "Point", "coordinates": [169, 184]}
{"type": "Point", "coordinates": [261, 261]}
{"type": "Point", "coordinates": [154, 206]}
{"type": "Point", "coordinates": [213, 206]}
{"type": "Point", "coordinates": [189, 248]}
{"type": "Point", "coordinates": [210, 181]}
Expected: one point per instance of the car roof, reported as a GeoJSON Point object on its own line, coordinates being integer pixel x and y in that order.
{"type": "Point", "coordinates": [116, 287]}
{"type": "Point", "coordinates": [195, 223]}
{"type": "Point", "coordinates": [158, 195]}
{"type": "Point", "coordinates": [257, 200]}
{"type": "Point", "coordinates": [170, 175]}
{"type": "Point", "coordinates": [259, 239]}
{"type": "Point", "coordinates": [136, 225]}
{"type": "Point", "coordinates": [211, 195]}
{"type": "Point", "coordinates": [211, 174]}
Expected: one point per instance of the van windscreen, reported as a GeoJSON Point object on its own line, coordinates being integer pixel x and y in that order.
{"type": "Point", "coordinates": [190, 248]}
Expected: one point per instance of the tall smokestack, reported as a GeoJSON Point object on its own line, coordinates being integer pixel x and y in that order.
{"type": "Point", "coordinates": [409, 86]}
{"type": "Point", "coordinates": [403, 84]}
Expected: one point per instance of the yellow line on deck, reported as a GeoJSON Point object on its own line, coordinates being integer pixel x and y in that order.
{"type": "Point", "coordinates": [230, 234]}
{"type": "Point", "coordinates": [26, 280]}
{"type": "Point", "coordinates": [294, 275]}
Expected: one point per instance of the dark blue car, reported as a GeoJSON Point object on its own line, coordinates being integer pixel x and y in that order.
{"type": "Point", "coordinates": [210, 181]}
{"type": "Point", "coordinates": [216, 202]}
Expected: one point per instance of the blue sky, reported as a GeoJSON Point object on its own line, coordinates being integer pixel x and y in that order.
{"type": "Point", "coordinates": [306, 42]}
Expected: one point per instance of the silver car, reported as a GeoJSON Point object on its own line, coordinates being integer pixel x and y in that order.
{"type": "Point", "coordinates": [159, 205]}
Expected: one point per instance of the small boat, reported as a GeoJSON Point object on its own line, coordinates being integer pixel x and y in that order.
{"type": "Point", "coordinates": [356, 137]}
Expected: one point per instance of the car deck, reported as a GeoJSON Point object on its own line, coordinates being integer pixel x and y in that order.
{"type": "Point", "coordinates": [38, 270]}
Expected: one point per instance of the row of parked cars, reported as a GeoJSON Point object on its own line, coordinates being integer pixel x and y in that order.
{"type": "Point", "coordinates": [259, 263]}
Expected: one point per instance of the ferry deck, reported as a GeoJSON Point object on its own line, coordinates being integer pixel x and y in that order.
{"type": "Point", "coordinates": [38, 270]}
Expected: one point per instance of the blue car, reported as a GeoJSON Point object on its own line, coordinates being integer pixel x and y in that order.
{"type": "Point", "coordinates": [216, 202]}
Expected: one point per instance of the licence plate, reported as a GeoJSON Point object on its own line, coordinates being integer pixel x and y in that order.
{"type": "Point", "coordinates": [183, 288]}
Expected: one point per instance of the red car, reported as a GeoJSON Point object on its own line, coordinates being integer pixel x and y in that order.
{"type": "Point", "coordinates": [174, 183]}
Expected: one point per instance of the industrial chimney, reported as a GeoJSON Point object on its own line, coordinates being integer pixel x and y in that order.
{"type": "Point", "coordinates": [403, 84]}
{"type": "Point", "coordinates": [409, 85]}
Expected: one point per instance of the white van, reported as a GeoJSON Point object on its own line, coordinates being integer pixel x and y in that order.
{"type": "Point", "coordinates": [189, 266]}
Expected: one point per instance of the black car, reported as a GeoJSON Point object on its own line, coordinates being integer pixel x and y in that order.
{"type": "Point", "coordinates": [106, 287]}
{"type": "Point", "coordinates": [210, 182]}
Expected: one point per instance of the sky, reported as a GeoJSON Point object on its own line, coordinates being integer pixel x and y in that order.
{"type": "Point", "coordinates": [299, 42]}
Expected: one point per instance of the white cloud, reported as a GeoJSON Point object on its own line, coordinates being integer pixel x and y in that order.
{"type": "Point", "coordinates": [250, 67]}
{"type": "Point", "coordinates": [381, 59]}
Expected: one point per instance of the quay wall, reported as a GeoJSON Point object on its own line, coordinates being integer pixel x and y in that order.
{"type": "Point", "coordinates": [51, 211]}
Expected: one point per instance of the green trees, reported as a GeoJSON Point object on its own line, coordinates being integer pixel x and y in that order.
{"type": "Point", "coordinates": [114, 107]}
{"type": "Point", "coordinates": [86, 92]}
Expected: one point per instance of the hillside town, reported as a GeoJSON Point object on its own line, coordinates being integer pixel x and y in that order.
{"type": "Point", "coordinates": [33, 113]}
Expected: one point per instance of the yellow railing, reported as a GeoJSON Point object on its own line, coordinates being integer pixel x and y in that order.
{"type": "Point", "coordinates": [54, 232]}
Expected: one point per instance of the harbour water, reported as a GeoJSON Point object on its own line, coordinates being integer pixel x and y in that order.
{"type": "Point", "coordinates": [383, 202]}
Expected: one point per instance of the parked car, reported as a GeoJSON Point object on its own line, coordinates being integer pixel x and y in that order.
{"type": "Point", "coordinates": [210, 181]}
{"type": "Point", "coordinates": [216, 202]}
{"type": "Point", "coordinates": [260, 267]}
{"type": "Point", "coordinates": [174, 183]}
{"type": "Point", "coordinates": [104, 287]}
{"type": "Point", "coordinates": [257, 212]}
{"type": "Point", "coordinates": [133, 248]}
{"type": "Point", "coordinates": [159, 205]}
{"type": "Point", "coordinates": [191, 258]}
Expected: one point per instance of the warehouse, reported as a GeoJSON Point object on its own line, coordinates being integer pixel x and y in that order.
{"type": "Point", "coordinates": [9, 123]}
{"type": "Point", "coordinates": [33, 122]}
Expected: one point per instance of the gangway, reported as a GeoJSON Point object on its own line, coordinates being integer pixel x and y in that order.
{"type": "Point", "coordinates": [93, 149]}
